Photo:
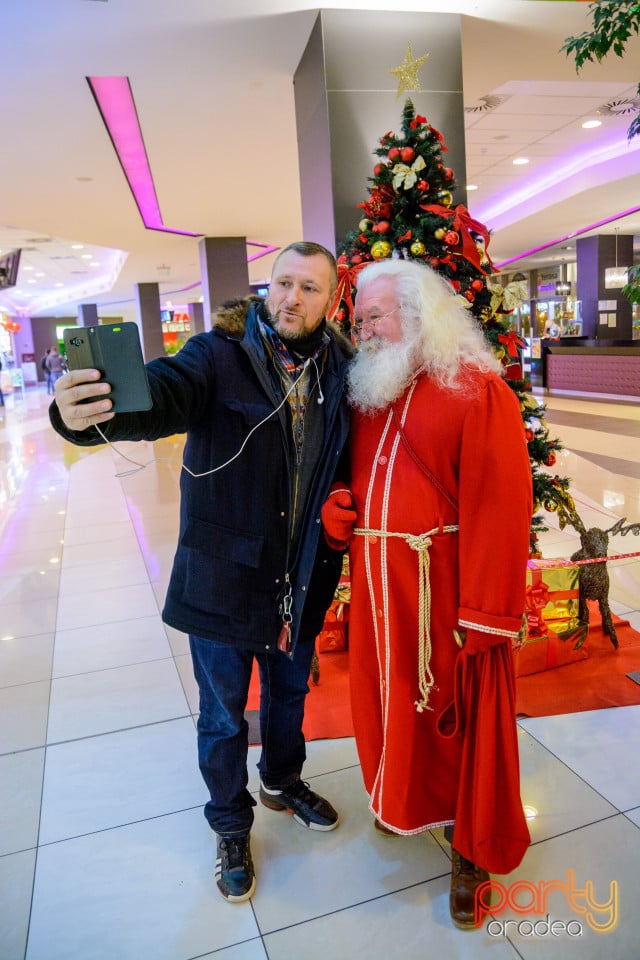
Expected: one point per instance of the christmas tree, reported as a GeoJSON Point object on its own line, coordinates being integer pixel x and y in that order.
{"type": "Point", "coordinates": [410, 213]}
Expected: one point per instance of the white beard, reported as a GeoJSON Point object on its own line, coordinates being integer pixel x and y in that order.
{"type": "Point", "coordinates": [380, 373]}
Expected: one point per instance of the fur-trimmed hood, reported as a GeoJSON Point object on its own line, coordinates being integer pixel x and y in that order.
{"type": "Point", "coordinates": [231, 317]}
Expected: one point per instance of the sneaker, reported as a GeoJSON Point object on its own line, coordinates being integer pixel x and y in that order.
{"type": "Point", "coordinates": [234, 869]}
{"type": "Point", "coordinates": [307, 807]}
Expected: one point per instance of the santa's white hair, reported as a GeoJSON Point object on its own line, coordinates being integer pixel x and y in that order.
{"type": "Point", "coordinates": [446, 338]}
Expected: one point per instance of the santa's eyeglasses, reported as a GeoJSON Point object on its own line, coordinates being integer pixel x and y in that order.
{"type": "Point", "coordinates": [371, 321]}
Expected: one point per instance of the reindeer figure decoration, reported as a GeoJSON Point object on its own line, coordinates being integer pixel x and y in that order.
{"type": "Point", "coordinates": [593, 578]}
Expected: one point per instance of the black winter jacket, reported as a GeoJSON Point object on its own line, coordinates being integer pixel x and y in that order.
{"type": "Point", "coordinates": [232, 560]}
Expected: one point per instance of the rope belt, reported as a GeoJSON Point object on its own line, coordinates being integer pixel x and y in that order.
{"type": "Point", "coordinates": [420, 542]}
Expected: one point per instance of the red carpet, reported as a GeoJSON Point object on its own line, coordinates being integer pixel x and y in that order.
{"type": "Point", "coordinates": [598, 681]}
{"type": "Point", "coordinates": [594, 683]}
{"type": "Point", "coordinates": [328, 708]}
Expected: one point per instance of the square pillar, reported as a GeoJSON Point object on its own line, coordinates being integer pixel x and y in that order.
{"type": "Point", "coordinates": [346, 99]}
{"type": "Point", "coordinates": [196, 317]}
{"type": "Point", "coordinates": [594, 255]}
{"type": "Point", "coordinates": [149, 322]}
{"type": "Point", "coordinates": [87, 315]}
{"type": "Point", "coordinates": [224, 272]}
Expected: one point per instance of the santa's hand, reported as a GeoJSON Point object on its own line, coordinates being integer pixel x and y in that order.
{"type": "Point", "coordinates": [338, 517]}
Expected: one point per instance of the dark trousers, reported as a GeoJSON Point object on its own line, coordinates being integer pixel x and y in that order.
{"type": "Point", "coordinates": [223, 672]}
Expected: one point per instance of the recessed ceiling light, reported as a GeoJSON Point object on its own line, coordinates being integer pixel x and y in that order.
{"type": "Point", "coordinates": [86, 256]}
{"type": "Point", "coordinates": [591, 124]}
{"type": "Point", "coordinates": [77, 246]}
{"type": "Point", "coordinates": [59, 284]}
{"type": "Point", "coordinates": [472, 186]}
{"type": "Point", "coordinates": [520, 160]}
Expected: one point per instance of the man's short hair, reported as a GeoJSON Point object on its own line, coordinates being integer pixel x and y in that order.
{"type": "Point", "coordinates": [307, 248]}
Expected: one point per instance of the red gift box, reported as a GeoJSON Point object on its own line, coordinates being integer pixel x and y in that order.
{"type": "Point", "coordinates": [552, 636]}
{"type": "Point", "coordinates": [333, 635]}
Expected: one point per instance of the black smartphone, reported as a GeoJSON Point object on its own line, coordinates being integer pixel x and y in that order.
{"type": "Point", "coordinates": [114, 349]}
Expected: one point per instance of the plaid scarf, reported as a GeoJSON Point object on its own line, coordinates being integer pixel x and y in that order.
{"type": "Point", "coordinates": [282, 353]}
{"type": "Point", "coordinates": [291, 369]}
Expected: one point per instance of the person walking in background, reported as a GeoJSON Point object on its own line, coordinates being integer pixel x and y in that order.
{"type": "Point", "coordinates": [56, 368]}
{"type": "Point", "coordinates": [437, 589]}
{"type": "Point", "coordinates": [44, 365]}
{"type": "Point", "coordinates": [262, 400]}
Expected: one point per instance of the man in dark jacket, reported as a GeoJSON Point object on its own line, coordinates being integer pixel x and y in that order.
{"type": "Point", "coordinates": [261, 399]}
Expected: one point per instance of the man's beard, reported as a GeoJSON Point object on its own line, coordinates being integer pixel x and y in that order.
{"type": "Point", "coordinates": [380, 373]}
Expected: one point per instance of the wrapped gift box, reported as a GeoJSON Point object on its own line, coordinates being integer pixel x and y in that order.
{"type": "Point", "coordinates": [553, 635]}
{"type": "Point", "coordinates": [334, 631]}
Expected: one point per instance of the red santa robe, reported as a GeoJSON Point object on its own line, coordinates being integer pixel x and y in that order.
{"type": "Point", "coordinates": [414, 760]}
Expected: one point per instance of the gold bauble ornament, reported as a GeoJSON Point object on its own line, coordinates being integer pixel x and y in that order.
{"type": "Point", "coordinates": [417, 248]}
{"type": "Point", "coordinates": [381, 249]}
{"type": "Point", "coordinates": [551, 506]}
{"type": "Point", "coordinates": [446, 198]}
{"type": "Point", "coordinates": [439, 233]}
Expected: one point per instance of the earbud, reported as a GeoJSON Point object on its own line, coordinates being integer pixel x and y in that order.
{"type": "Point", "coordinates": [320, 399]}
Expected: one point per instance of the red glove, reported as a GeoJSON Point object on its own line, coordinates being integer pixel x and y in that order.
{"type": "Point", "coordinates": [338, 517]}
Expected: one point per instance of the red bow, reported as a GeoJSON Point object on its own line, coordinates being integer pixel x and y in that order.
{"type": "Point", "coordinates": [347, 275]}
{"type": "Point", "coordinates": [536, 599]}
{"type": "Point", "coordinates": [464, 223]}
{"type": "Point", "coordinates": [512, 342]}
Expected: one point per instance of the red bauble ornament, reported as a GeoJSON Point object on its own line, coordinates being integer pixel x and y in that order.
{"type": "Point", "coordinates": [434, 262]}
{"type": "Point", "coordinates": [448, 173]}
{"type": "Point", "coordinates": [393, 154]}
{"type": "Point", "coordinates": [451, 238]}
{"type": "Point", "coordinates": [456, 285]}
{"type": "Point", "coordinates": [381, 227]}
{"type": "Point", "coordinates": [378, 169]}
{"type": "Point", "coordinates": [356, 258]}
{"type": "Point", "coordinates": [342, 258]}
{"type": "Point", "coordinates": [477, 284]}
{"type": "Point", "coordinates": [529, 434]}
{"type": "Point", "coordinates": [551, 459]}
{"type": "Point", "coordinates": [422, 186]}
{"type": "Point", "coordinates": [470, 295]}
{"type": "Point", "coordinates": [407, 154]}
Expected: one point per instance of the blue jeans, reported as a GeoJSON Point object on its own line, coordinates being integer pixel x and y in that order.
{"type": "Point", "coordinates": [223, 672]}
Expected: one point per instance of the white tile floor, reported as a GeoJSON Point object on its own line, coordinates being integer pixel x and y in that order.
{"type": "Point", "coordinates": [104, 852]}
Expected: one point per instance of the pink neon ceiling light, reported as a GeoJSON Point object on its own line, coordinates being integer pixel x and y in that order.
{"type": "Point", "coordinates": [114, 99]}
{"type": "Point", "coordinates": [568, 236]}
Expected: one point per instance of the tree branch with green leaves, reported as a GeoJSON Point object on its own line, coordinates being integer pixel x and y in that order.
{"type": "Point", "coordinates": [614, 22]}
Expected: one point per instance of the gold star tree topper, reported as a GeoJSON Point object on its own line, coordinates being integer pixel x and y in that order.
{"type": "Point", "coordinates": [407, 72]}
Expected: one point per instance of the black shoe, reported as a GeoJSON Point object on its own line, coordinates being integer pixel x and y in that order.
{"type": "Point", "coordinates": [234, 869]}
{"type": "Point", "coordinates": [306, 806]}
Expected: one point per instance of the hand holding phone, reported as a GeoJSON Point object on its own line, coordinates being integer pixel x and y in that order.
{"type": "Point", "coordinates": [114, 350]}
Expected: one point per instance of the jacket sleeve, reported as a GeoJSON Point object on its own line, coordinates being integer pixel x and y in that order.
{"type": "Point", "coordinates": [180, 387]}
{"type": "Point", "coordinates": [495, 497]}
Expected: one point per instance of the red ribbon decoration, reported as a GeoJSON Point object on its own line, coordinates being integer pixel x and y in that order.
{"type": "Point", "coordinates": [512, 342]}
{"type": "Point", "coordinates": [347, 275]}
{"type": "Point", "coordinates": [536, 599]}
{"type": "Point", "coordinates": [463, 222]}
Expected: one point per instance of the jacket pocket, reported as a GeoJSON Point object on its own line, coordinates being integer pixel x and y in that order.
{"type": "Point", "coordinates": [217, 541]}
